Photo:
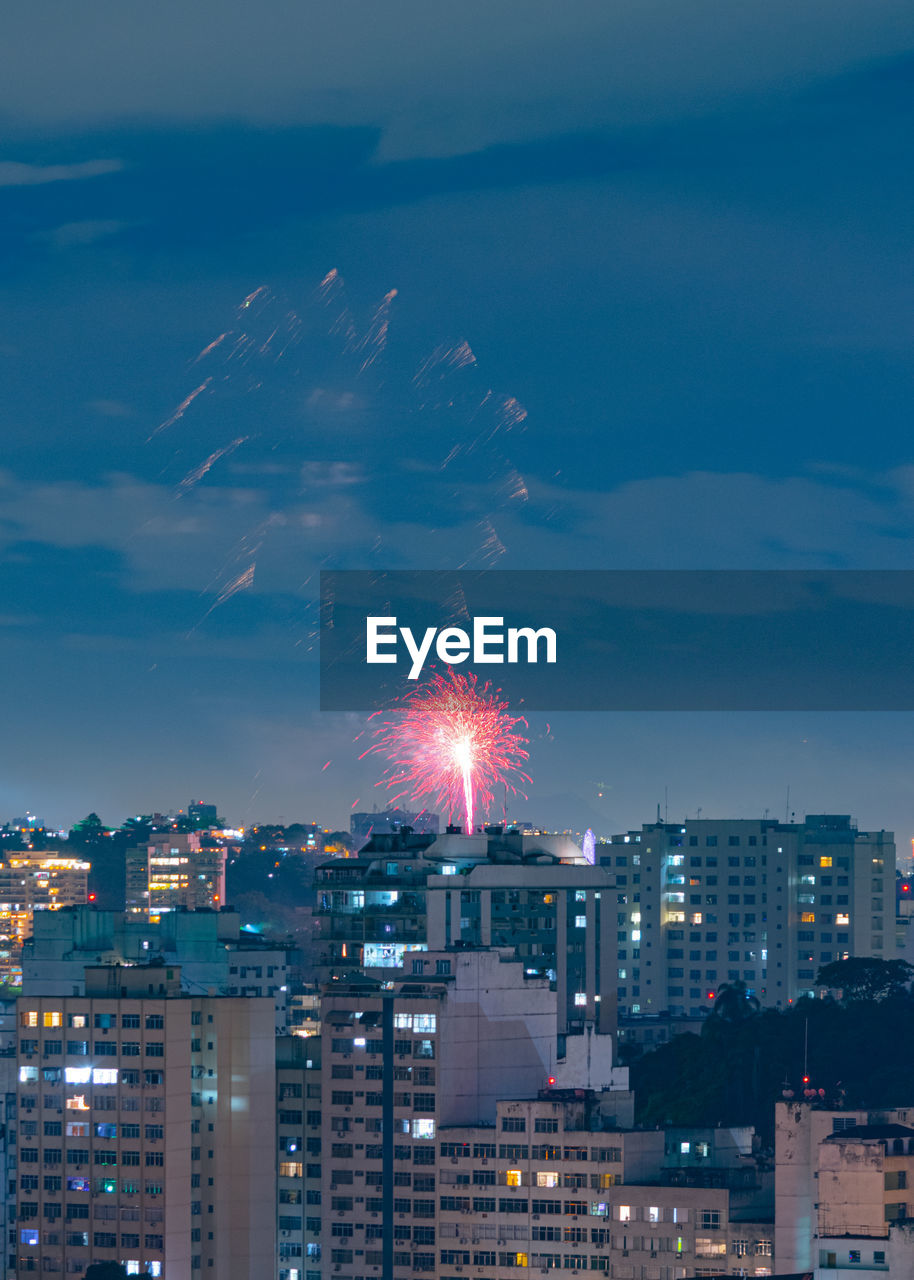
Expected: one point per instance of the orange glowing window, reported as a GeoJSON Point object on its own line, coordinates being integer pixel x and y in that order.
{"type": "Point", "coordinates": [808, 917]}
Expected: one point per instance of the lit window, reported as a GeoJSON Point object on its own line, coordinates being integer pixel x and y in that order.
{"type": "Point", "coordinates": [547, 1179]}
{"type": "Point", "coordinates": [423, 1128]}
{"type": "Point", "coordinates": [653, 1213]}
{"type": "Point", "coordinates": [403, 1021]}
{"type": "Point", "coordinates": [53, 1020]}
{"type": "Point", "coordinates": [580, 998]}
{"type": "Point", "coordinates": [520, 1260]}
{"type": "Point", "coordinates": [625, 1213]}
{"type": "Point", "coordinates": [808, 917]}
{"type": "Point", "coordinates": [104, 1075]}
{"type": "Point", "coordinates": [425, 1022]}
{"type": "Point", "coordinates": [29, 1019]}
{"type": "Point", "coordinates": [28, 1075]}
{"type": "Point", "coordinates": [580, 922]}
{"type": "Point", "coordinates": [514, 1178]}
{"type": "Point", "coordinates": [842, 918]}
{"type": "Point", "coordinates": [695, 917]}
{"type": "Point", "coordinates": [28, 1236]}
{"type": "Point", "coordinates": [77, 1075]}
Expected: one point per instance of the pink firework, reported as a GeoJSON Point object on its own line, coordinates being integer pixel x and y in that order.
{"type": "Point", "coordinates": [452, 742]}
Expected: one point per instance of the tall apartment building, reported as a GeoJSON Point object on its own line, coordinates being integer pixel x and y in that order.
{"type": "Point", "coordinates": [401, 1061]}
{"type": "Point", "coordinates": [33, 882]}
{"type": "Point", "coordinates": [173, 870]}
{"type": "Point", "coordinates": [766, 903]}
{"type": "Point", "coordinates": [216, 957]}
{"type": "Point", "coordinates": [146, 1129]}
{"type": "Point", "coordinates": [536, 894]}
{"type": "Point", "coordinates": [844, 1198]}
{"type": "Point", "coordinates": [298, 1168]}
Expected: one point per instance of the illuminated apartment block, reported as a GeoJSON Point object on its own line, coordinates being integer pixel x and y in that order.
{"type": "Point", "coordinates": [31, 882]}
{"type": "Point", "coordinates": [146, 1130]}
{"type": "Point", "coordinates": [298, 1156]}
{"type": "Point", "coordinates": [173, 870]}
{"type": "Point", "coordinates": [757, 901]}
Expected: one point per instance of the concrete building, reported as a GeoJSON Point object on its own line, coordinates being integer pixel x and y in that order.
{"type": "Point", "coordinates": [298, 1168]}
{"type": "Point", "coordinates": [406, 893]}
{"type": "Point", "coordinates": [29, 883]}
{"type": "Point", "coordinates": [146, 1129]}
{"type": "Point", "coordinates": [757, 901]}
{"type": "Point", "coordinates": [173, 870]}
{"type": "Point", "coordinates": [216, 957]}
{"type": "Point", "coordinates": [843, 1182]}
{"type": "Point", "coordinates": [402, 1062]}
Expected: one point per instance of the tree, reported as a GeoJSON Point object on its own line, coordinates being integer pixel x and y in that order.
{"type": "Point", "coordinates": [90, 831]}
{"type": "Point", "coordinates": [866, 978]}
{"type": "Point", "coordinates": [734, 1003]}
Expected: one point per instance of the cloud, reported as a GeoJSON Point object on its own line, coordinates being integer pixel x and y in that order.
{"type": "Point", "coordinates": [14, 174]}
{"type": "Point", "coordinates": [72, 235]}
{"type": "Point", "coordinates": [442, 80]}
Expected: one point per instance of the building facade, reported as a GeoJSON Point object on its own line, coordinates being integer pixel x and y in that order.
{"type": "Point", "coordinates": [173, 870]}
{"type": "Point", "coordinates": [146, 1130]}
{"type": "Point", "coordinates": [766, 903]}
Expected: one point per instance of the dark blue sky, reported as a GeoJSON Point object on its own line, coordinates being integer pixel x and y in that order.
{"type": "Point", "coordinates": [680, 239]}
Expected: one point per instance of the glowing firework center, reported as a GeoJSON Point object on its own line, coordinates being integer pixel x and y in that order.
{"type": "Point", "coordinates": [452, 742]}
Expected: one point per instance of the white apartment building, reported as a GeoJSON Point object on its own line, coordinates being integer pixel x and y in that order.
{"type": "Point", "coordinates": [146, 1131]}
{"type": "Point", "coordinates": [709, 901]}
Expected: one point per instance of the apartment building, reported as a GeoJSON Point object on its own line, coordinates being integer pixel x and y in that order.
{"type": "Point", "coordinates": [555, 1185]}
{"type": "Point", "coordinates": [534, 893]}
{"type": "Point", "coordinates": [298, 1169]}
{"type": "Point", "coordinates": [146, 1130]}
{"type": "Point", "coordinates": [175, 869]}
{"type": "Point", "coordinates": [843, 1189]}
{"type": "Point", "coordinates": [214, 954]}
{"type": "Point", "coordinates": [767, 903]}
{"type": "Point", "coordinates": [33, 883]}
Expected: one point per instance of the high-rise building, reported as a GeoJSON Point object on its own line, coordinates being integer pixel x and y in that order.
{"type": "Point", "coordinates": [402, 1061]}
{"type": "Point", "coordinates": [146, 1129]}
{"type": "Point", "coordinates": [706, 902]}
{"type": "Point", "coordinates": [33, 882]}
{"type": "Point", "coordinates": [175, 869]}
{"type": "Point", "coordinates": [298, 1152]}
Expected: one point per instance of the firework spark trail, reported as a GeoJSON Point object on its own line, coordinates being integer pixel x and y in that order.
{"type": "Point", "coordinates": [252, 297]}
{"type": "Point", "coordinates": [458, 357]}
{"type": "Point", "coordinates": [331, 292]}
{"type": "Point", "coordinates": [193, 477]}
{"type": "Point", "coordinates": [452, 741]}
{"type": "Point", "coordinates": [212, 346]}
{"type": "Point", "coordinates": [181, 409]}
{"type": "Point", "coordinates": [375, 339]}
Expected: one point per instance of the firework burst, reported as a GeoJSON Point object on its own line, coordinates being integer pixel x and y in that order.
{"type": "Point", "coordinates": [452, 741]}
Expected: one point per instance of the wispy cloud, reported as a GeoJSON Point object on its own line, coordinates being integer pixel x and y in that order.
{"type": "Point", "coordinates": [16, 174]}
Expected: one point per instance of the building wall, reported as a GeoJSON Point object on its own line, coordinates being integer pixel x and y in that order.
{"type": "Point", "coordinates": [187, 1086]}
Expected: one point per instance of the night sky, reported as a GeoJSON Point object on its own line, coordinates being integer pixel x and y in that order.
{"type": "Point", "coordinates": [653, 274]}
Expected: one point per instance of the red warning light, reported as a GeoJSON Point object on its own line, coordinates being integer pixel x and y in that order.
{"type": "Point", "coordinates": [91, 897]}
{"type": "Point", "coordinates": [806, 1079]}
{"type": "Point", "coordinates": [710, 995]}
{"type": "Point", "coordinates": [551, 1081]}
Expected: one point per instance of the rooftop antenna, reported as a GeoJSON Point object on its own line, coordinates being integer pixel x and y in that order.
{"type": "Point", "coordinates": [787, 805]}
{"type": "Point", "coordinates": [666, 806]}
{"type": "Point", "coordinates": [658, 813]}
